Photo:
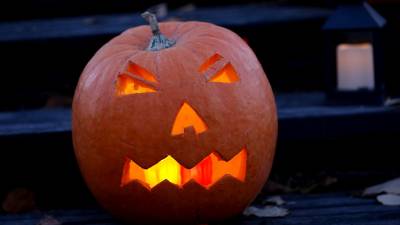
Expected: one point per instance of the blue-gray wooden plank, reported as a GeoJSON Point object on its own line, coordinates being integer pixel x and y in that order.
{"type": "Point", "coordinates": [35, 122]}
{"type": "Point", "coordinates": [312, 115]}
{"type": "Point", "coordinates": [314, 210]}
{"type": "Point", "coordinates": [229, 16]}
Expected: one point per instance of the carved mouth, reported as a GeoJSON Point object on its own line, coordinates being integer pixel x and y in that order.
{"type": "Point", "coordinates": [206, 173]}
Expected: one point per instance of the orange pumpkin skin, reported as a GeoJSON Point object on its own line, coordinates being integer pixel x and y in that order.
{"type": "Point", "coordinates": [109, 128]}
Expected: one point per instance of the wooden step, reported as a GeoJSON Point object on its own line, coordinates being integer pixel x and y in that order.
{"type": "Point", "coordinates": [327, 209]}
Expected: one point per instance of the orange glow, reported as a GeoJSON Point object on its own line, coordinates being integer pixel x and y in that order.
{"type": "Point", "coordinates": [206, 173]}
{"type": "Point", "coordinates": [185, 118]}
{"type": "Point", "coordinates": [209, 62]}
{"type": "Point", "coordinates": [141, 72]}
{"type": "Point", "coordinates": [127, 85]}
{"type": "Point", "coordinates": [225, 75]}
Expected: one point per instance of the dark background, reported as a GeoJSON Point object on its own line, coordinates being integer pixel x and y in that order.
{"type": "Point", "coordinates": [41, 60]}
{"type": "Point", "coordinates": [37, 67]}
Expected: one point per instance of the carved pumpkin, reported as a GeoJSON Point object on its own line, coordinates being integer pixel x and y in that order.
{"type": "Point", "coordinates": [183, 131]}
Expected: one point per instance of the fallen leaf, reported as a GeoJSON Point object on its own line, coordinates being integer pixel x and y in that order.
{"type": "Point", "coordinates": [329, 181]}
{"type": "Point", "coordinates": [266, 211]}
{"type": "Point", "coordinates": [308, 189]}
{"type": "Point", "coordinates": [389, 199]}
{"type": "Point", "coordinates": [273, 200]}
{"type": "Point", "coordinates": [58, 101]}
{"type": "Point", "coordinates": [392, 102]}
{"type": "Point", "coordinates": [19, 200]}
{"type": "Point", "coordinates": [323, 182]}
{"type": "Point", "coordinates": [390, 187]}
{"type": "Point", "coordinates": [274, 187]}
{"type": "Point", "coordinates": [49, 220]}
{"type": "Point", "coordinates": [301, 183]}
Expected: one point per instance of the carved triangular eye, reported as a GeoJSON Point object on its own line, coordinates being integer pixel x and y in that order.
{"type": "Point", "coordinates": [135, 69]}
{"type": "Point", "coordinates": [135, 80]}
{"type": "Point", "coordinates": [226, 75]}
{"type": "Point", "coordinates": [127, 85]}
{"type": "Point", "coordinates": [213, 64]}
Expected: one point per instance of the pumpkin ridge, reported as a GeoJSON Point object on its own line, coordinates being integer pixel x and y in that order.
{"type": "Point", "coordinates": [108, 58]}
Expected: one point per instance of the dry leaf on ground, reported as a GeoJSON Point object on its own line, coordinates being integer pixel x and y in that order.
{"type": "Point", "coordinates": [389, 199]}
{"type": "Point", "coordinates": [19, 200]}
{"type": "Point", "coordinates": [49, 220]}
{"type": "Point", "coordinates": [266, 211]}
{"type": "Point", "coordinates": [273, 200]}
{"type": "Point", "coordinates": [390, 187]}
{"type": "Point", "coordinates": [274, 187]}
{"type": "Point", "coordinates": [58, 101]}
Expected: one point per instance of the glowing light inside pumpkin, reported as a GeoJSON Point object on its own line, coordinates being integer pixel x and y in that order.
{"type": "Point", "coordinates": [127, 85]}
{"type": "Point", "coordinates": [141, 72]}
{"type": "Point", "coordinates": [225, 75]}
{"type": "Point", "coordinates": [187, 117]}
{"type": "Point", "coordinates": [206, 173]}
{"type": "Point", "coordinates": [209, 62]}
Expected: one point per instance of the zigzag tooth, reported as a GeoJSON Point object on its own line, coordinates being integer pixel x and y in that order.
{"type": "Point", "coordinates": [206, 173]}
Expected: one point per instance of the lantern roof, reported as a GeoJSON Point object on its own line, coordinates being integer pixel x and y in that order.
{"type": "Point", "coordinates": [355, 17]}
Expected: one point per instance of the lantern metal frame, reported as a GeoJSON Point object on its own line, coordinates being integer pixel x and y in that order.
{"type": "Point", "coordinates": [352, 24]}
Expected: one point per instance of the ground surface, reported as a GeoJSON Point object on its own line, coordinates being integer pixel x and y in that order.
{"type": "Point", "coordinates": [316, 209]}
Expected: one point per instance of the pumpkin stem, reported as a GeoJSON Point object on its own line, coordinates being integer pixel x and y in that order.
{"type": "Point", "coordinates": [158, 41]}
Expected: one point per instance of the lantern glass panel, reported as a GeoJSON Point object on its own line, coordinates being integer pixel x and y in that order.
{"type": "Point", "coordinates": [355, 67]}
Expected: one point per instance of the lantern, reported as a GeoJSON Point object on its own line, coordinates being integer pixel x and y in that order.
{"type": "Point", "coordinates": [354, 55]}
{"type": "Point", "coordinates": [178, 131]}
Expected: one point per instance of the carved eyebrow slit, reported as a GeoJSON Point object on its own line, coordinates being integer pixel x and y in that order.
{"type": "Point", "coordinates": [217, 69]}
{"type": "Point", "coordinates": [209, 62]}
{"type": "Point", "coordinates": [135, 69]}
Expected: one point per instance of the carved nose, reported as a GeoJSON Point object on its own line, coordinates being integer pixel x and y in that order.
{"type": "Point", "coordinates": [185, 118]}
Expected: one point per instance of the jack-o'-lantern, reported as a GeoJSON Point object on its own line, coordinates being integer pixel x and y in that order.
{"type": "Point", "coordinates": [179, 131]}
